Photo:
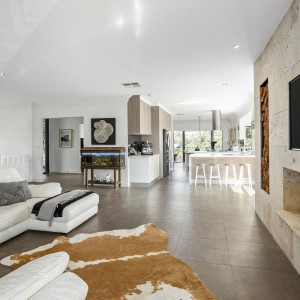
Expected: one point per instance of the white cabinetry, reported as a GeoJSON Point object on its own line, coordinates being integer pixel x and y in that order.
{"type": "Point", "coordinates": [143, 169]}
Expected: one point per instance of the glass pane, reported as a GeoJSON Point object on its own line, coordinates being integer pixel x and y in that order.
{"type": "Point", "coordinates": [197, 140]}
{"type": "Point", "coordinates": [178, 146]}
{"type": "Point", "coordinates": [218, 137]}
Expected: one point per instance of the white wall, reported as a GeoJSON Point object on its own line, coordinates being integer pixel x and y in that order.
{"type": "Point", "coordinates": [244, 122]}
{"type": "Point", "coordinates": [105, 108]}
{"type": "Point", "coordinates": [16, 130]}
{"type": "Point", "coordinates": [243, 110]}
{"type": "Point", "coordinates": [193, 125]}
{"type": "Point", "coordinates": [64, 160]}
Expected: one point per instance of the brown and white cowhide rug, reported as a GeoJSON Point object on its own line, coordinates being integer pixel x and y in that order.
{"type": "Point", "coordinates": [124, 264]}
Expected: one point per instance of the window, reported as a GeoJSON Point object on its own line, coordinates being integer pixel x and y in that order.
{"type": "Point", "coordinates": [185, 141]}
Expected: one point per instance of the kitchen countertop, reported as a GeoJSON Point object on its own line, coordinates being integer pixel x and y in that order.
{"type": "Point", "coordinates": [235, 158]}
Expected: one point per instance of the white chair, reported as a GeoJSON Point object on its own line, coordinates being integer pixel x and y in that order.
{"type": "Point", "coordinates": [217, 176]}
{"type": "Point", "coordinates": [227, 178]}
{"type": "Point", "coordinates": [201, 176]}
{"type": "Point", "coordinates": [241, 178]}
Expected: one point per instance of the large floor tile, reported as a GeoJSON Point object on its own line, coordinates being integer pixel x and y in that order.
{"type": "Point", "coordinates": [267, 257]}
{"type": "Point", "coordinates": [255, 284]}
{"type": "Point", "coordinates": [242, 219]}
{"type": "Point", "coordinates": [171, 227]}
{"type": "Point", "coordinates": [206, 230]}
{"type": "Point", "coordinates": [173, 242]}
{"type": "Point", "coordinates": [205, 250]}
{"type": "Point", "coordinates": [217, 278]}
{"type": "Point", "coordinates": [203, 216]}
{"type": "Point", "coordinates": [248, 234]}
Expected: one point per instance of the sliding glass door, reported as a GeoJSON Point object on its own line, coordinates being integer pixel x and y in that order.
{"type": "Point", "coordinates": [191, 141]}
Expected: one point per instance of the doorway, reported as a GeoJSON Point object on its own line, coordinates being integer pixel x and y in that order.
{"type": "Point", "coordinates": [45, 146]}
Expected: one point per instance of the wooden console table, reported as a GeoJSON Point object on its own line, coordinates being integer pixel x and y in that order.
{"type": "Point", "coordinates": [92, 181]}
{"type": "Point", "coordinates": [102, 158]}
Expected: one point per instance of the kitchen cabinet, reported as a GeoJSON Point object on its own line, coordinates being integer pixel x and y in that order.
{"type": "Point", "coordinates": [139, 116]}
{"type": "Point", "coordinates": [143, 168]}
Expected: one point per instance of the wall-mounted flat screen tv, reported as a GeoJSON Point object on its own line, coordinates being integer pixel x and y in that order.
{"type": "Point", "coordinates": [295, 114]}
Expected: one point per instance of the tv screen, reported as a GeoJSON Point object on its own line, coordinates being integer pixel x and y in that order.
{"type": "Point", "coordinates": [295, 114]}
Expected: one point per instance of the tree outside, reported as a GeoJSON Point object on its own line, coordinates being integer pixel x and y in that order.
{"type": "Point", "coordinates": [200, 140]}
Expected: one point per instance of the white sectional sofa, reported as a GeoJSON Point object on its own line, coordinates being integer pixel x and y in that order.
{"type": "Point", "coordinates": [17, 218]}
{"type": "Point", "coordinates": [43, 279]}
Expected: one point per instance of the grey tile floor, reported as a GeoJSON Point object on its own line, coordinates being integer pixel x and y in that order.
{"type": "Point", "coordinates": [215, 230]}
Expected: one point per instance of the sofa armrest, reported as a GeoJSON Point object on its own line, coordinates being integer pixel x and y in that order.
{"type": "Point", "coordinates": [45, 190]}
{"type": "Point", "coordinates": [66, 286]}
{"type": "Point", "coordinates": [27, 280]}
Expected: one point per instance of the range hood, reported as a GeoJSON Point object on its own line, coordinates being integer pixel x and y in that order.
{"type": "Point", "coordinates": [216, 120]}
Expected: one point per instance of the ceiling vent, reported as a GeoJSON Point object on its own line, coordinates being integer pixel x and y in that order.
{"type": "Point", "coordinates": [131, 85]}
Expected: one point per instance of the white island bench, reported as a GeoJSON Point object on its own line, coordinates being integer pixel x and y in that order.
{"type": "Point", "coordinates": [218, 158]}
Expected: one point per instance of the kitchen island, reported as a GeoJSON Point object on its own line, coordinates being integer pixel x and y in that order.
{"type": "Point", "coordinates": [220, 158]}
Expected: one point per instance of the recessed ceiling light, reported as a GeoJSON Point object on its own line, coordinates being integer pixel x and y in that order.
{"type": "Point", "coordinates": [236, 46]}
{"type": "Point", "coordinates": [120, 22]}
{"type": "Point", "coordinates": [2, 74]}
{"type": "Point", "coordinates": [225, 84]}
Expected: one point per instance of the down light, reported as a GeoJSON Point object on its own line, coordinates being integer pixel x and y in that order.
{"type": "Point", "coordinates": [236, 46]}
{"type": "Point", "coordinates": [2, 74]}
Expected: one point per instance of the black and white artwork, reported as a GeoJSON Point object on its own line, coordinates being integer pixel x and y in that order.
{"type": "Point", "coordinates": [65, 138]}
{"type": "Point", "coordinates": [103, 131]}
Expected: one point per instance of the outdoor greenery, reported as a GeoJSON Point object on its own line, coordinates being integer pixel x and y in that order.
{"type": "Point", "coordinates": [199, 140]}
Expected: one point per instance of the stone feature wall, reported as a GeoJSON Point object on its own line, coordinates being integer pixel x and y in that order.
{"type": "Point", "coordinates": [279, 63]}
{"type": "Point", "coordinates": [265, 153]}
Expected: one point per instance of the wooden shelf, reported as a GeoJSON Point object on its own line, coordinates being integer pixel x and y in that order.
{"type": "Point", "coordinates": [102, 183]}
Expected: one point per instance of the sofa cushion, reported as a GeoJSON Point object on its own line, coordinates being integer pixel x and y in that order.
{"type": "Point", "coordinates": [11, 185]}
{"type": "Point", "coordinates": [27, 280]}
{"type": "Point", "coordinates": [13, 214]}
{"type": "Point", "coordinates": [12, 195]}
{"type": "Point", "coordinates": [9, 175]}
{"type": "Point", "coordinates": [45, 190]}
{"type": "Point", "coordinates": [66, 286]}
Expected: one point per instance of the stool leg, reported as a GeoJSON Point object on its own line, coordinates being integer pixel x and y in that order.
{"type": "Point", "coordinates": [249, 176]}
{"type": "Point", "coordinates": [210, 175]}
{"type": "Point", "coordinates": [241, 176]}
{"type": "Point", "coordinates": [220, 183]}
{"type": "Point", "coordinates": [234, 175]}
{"type": "Point", "coordinates": [204, 175]}
{"type": "Point", "coordinates": [196, 175]}
{"type": "Point", "coordinates": [226, 175]}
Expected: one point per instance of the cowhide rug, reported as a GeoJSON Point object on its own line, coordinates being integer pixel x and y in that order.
{"type": "Point", "coordinates": [124, 264]}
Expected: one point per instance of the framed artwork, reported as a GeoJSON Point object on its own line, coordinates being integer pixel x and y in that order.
{"type": "Point", "coordinates": [103, 131]}
{"type": "Point", "coordinates": [65, 138]}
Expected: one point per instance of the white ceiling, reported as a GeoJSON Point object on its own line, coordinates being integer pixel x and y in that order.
{"type": "Point", "coordinates": [180, 51]}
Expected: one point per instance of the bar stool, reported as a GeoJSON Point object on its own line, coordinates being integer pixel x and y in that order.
{"type": "Point", "coordinates": [248, 166]}
{"type": "Point", "coordinates": [218, 176]}
{"type": "Point", "coordinates": [227, 168]}
{"type": "Point", "coordinates": [201, 176]}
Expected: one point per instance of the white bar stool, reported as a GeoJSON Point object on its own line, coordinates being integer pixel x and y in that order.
{"type": "Point", "coordinates": [201, 176]}
{"type": "Point", "coordinates": [218, 176]}
{"type": "Point", "coordinates": [248, 166]}
{"type": "Point", "coordinates": [227, 168]}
